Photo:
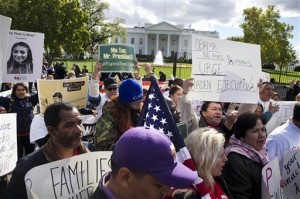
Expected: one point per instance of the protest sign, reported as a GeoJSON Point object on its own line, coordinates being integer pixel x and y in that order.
{"type": "Point", "coordinates": [24, 56]}
{"type": "Point", "coordinates": [73, 91]}
{"type": "Point", "coordinates": [271, 180]}
{"type": "Point", "coordinates": [225, 71]}
{"type": "Point", "coordinates": [117, 58]}
{"type": "Point", "coordinates": [5, 23]}
{"type": "Point", "coordinates": [290, 174]}
{"type": "Point", "coordinates": [5, 93]}
{"type": "Point", "coordinates": [8, 143]}
{"type": "Point", "coordinates": [265, 77]}
{"type": "Point", "coordinates": [281, 116]}
{"type": "Point", "coordinates": [89, 127]}
{"type": "Point", "coordinates": [75, 177]}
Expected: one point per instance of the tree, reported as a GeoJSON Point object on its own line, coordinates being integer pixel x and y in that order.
{"type": "Point", "coordinates": [100, 30]}
{"type": "Point", "coordinates": [62, 22]}
{"type": "Point", "coordinates": [265, 29]}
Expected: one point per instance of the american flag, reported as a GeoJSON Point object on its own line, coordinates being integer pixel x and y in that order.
{"type": "Point", "coordinates": [156, 114]}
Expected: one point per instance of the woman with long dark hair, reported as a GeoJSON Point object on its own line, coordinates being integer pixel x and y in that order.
{"type": "Point", "coordinates": [23, 105]}
{"type": "Point", "coordinates": [20, 61]}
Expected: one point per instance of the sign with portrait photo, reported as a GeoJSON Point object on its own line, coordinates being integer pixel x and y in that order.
{"type": "Point", "coordinates": [24, 56]}
{"type": "Point", "coordinates": [5, 23]}
{"type": "Point", "coordinates": [117, 58]}
{"type": "Point", "coordinates": [73, 91]}
{"type": "Point", "coordinates": [75, 177]}
{"type": "Point", "coordinates": [225, 71]}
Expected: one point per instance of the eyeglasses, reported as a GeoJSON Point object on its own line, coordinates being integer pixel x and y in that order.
{"type": "Point", "coordinates": [112, 88]}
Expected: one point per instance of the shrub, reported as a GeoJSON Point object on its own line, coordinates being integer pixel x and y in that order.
{"type": "Point", "coordinates": [297, 68]}
{"type": "Point", "coordinates": [268, 66]}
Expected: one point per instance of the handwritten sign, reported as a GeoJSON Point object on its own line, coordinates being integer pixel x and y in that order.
{"type": "Point", "coordinates": [8, 143]}
{"type": "Point", "coordinates": [117, 58]}
{"type": "Point", "coordinates": [5, 23]}
{"type": "Point", "coordinates": [271, 180]}
{"type": "Point", "coordinates": [265, 77]}
{"type": "Point", "coordinates": [285, 112]}
{"type": "Point", "coordinates": [24, 56]}
{"type": "Point", "coordinates": [291, 174]}
{"type": "Point", "coordinates": [223, 70]}
{"type": "Point", "coordinates": [75, 177]}
{"type": "Point", "coordinates": [73, 91]}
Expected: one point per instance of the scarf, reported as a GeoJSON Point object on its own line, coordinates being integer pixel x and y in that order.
{"type": "Point", "coordinates": [240, 147]}
{"type": "Point", "coordinates": [51, 155]}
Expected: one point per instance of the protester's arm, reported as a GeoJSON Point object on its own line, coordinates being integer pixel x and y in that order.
{"type": "Point", "coordinates": [290, 93]}
{"type": "Point", "coordinates": [137, 75]}
{"type": "Point", "coordinates": [185, 108]}
{"type": "Point", "coordinates": [274, 147]}
{"type": "Point", "coordinates": [34, 99]}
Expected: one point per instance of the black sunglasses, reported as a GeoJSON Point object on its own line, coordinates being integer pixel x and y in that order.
{"type": "Point", "coordinates": [112, 88]}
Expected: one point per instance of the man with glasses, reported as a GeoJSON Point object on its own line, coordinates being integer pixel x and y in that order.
{"type": "Point", "coordinates": [99, 99]}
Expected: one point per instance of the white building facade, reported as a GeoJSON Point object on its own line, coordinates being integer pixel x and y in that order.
{"type": "Point", "coordinates": [164, 37]}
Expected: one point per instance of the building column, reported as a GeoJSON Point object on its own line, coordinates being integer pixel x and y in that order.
{"type": "Point", "coordinates": [168, 46]}
{"type": "Point", "coordinates": [157, 39]}
{"type": "Point", "coordinates": [146, 44]}
{"type": "Point", "coordinates": [179, 46]}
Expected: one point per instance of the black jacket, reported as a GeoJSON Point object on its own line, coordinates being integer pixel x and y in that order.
{"type": "Point", "coordinates": [23, 108]}
{"type": "Point", "coordinates": [243, 177]}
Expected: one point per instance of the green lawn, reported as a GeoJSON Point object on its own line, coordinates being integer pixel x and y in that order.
{"type": "Point", "coordinates": [182, 71]}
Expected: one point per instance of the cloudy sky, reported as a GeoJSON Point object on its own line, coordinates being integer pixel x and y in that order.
{"type": "Point", "coordinates": [223, 16]}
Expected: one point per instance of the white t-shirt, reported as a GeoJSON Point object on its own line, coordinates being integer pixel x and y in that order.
{"type": "Point", "coordinates": [266, 104]}
{"type": "Point", "coordinates": [38, 128]}
{"type": "Point", "coordinates": [283, 139]}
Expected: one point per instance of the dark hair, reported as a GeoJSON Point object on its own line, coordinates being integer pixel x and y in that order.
{"type": "Point", "coordinates": [245, 122]}
{"type": "Point", "coordinates": [174, 89]}
{"type": "Point", "coordinates": [52, 113]}
{"type": "Point", "coordinates": [178, 82]}
{"type": "Point", "coordinates": [19, 84]}
{"type": "Point", "coordinates": [57, 94]}
{"type": "Point", "coordinates": [205, 106]}
{"type": "Point", "coordinates": [296, 112]}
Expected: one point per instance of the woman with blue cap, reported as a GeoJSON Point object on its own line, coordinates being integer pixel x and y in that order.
{"type": "Point", "coordinates": [119, 115]}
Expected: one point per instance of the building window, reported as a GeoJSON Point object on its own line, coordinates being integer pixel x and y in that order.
{"type": "Point", "coordinates": [140, 51]}
{"type": "Point", "coordinates": [140, 40]}
{"type": "Point", "coordinates": [185, 43]}
{"type": "Point", "coordinates": [184, 55]}
{"type": "Point", "coordinates": [173, 43]}
{"type": "Point", "coordinates": [132, 40]}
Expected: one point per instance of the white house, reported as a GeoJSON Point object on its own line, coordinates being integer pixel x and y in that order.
{"type": "Point", "coordinates": [164, 37]}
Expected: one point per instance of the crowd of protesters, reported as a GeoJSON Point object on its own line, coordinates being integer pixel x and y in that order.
{"type": "Point", "coordinates": [227, 141]}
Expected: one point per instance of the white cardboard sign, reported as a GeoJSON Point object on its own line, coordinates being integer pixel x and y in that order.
{"type": "Point", "coordinates": [285, 112]}
{"type": "Point", "coordinates": [271, 179]}
{"type": "Point", "coordinates": [225, 71]}
{"type": "Point", "coordinates": [291, 174]}
{"type": "Point", "coordinates": [8, 142]}
{"type": "Point", "coordinates": [5, 23]}
{"type": "Point", "coordinates": [76, 177]}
